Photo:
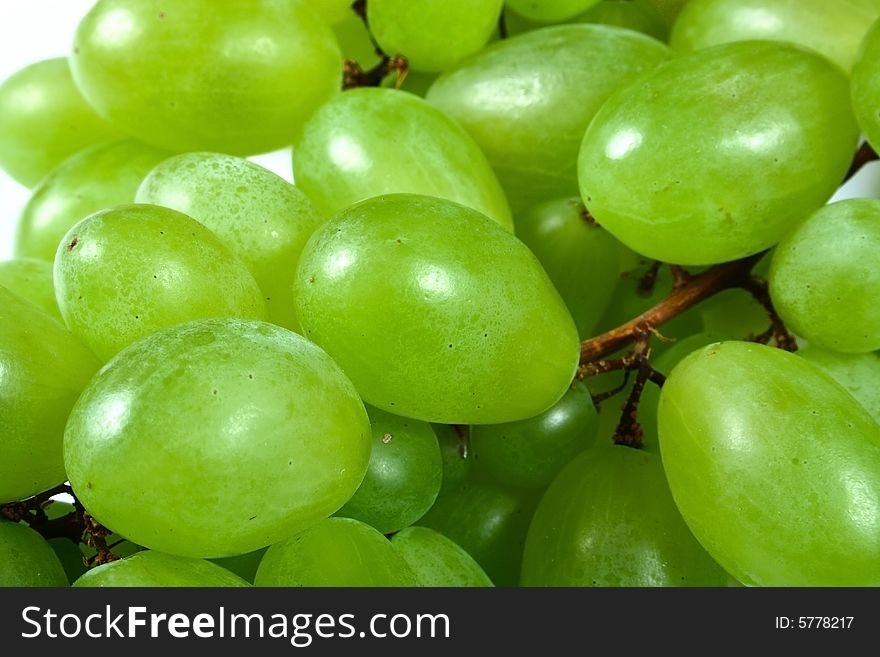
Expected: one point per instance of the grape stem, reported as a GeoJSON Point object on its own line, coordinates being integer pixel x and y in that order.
{"type": "Point", "coordinates": [760, 292]}
{"type": "Point", "coordinates": [353, 74]}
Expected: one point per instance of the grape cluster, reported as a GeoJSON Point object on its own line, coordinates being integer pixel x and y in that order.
{"type": "Point", "coordinates": [405, 370]}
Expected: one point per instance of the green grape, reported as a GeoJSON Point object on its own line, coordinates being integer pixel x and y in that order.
{"type": "Point", "coordinates": [152, 569]}
{"type": "Point", "coordinates": [833, 29]}
{"type": "Point", "coordinates": [185, 439]}
{"type": "Point", "coordinates": [354, 40]}
{"type": "Point", "coordinates": [489, 522]}
{"type": "Point", "coordinates": [43, 369]}
{"type": "Point", "coordinates": [635, 15]}
{"type": "Point", "coordinates": [733, 314]}
{"type": "Point", "coordinates": [549, 11]}
{"type": "Point", "coordinates": [866, 86]}
{"type": "Point", "coordinates": [94, 179]}
{"type": "Point", "coordinates": [437, 561]}
{"type": "Point", "coordinates": [403, 477]}
{"type": "Point", "coordinates": [238, 76]}
{"type": "Point", "coordinates": [529, 453]}
{"type": "Point", "coordinates": [825, 277]}
{"type": "Point", "coordinates": [455, 453]}
{"type": "Point", "coordinates": [858, 373]}
{"type": "Point", "coordinates": [70, 557]}
{"type": "Point", "coordinates": [433, 35]}
{"type": "Point", "coordinates": [26, 559]}
{"type": "Point", "coordinates": [418, 84]}
{"type": "Point", "coordinates": [43, 120]}
{"type": "Point", "coordinates": [668, 9]}
{"type": "Point", "coordinates": [31, 279]}
{"type": "Point", "coordinates": [435, 312]}
{"type": "Point", "coordinates": [243, 565]}
{"type": "Point", "coordinates": [335, 552]}
{"type": "Point", "coordinates": [580, 258]}
{"type": "Point", "coordinates": [544, 88]}
{"type": "Point", "coordinates": [260, 217]}
{"type": "Point", "coordinates": [124, 273]}
{"type": "Point", "coordinates": [768, 143]}
{"type": "Point", "coordinates": [774, 466]}
{"type": "Point", "coordinates": [608, 519]}
{"type": "Point", "coordinates": [332, 12]}
{"type": "Point", "coordinates": [368, 142]}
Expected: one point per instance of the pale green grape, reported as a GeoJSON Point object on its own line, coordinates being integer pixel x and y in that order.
{"type": "Point", "coordinates": [635, 15]}
{"type": "Point", "coordinates": [825, 277]}
{"type": "Point", "coordinates": [335, 552]}
{"type": "Point", "coordinates": [215, 438]}
{"type": "Point", "coordinates": [354, 40]}
{"type": "Point", "coordinates": [44, 119]}
{"type": "Point", "coordinates": [437, 561]}
{"type": "Point", "coordinates": [124, 273]}
{"type": "Point", "coordinates": [260, 217]}
{"type": "Point", "coordinates": [768, 141]}
{"type": "Point", "coordinates": [866, 86]}
{"type": "Point", "coordinates": [833, 29]}
{"type": "Point", "coordinates": [774, 466]}
{"type": "Point", "coordinates": [332, 12]}
{"type": "Point", "coordinates": [26, 559]}
{"type": "Point", "coordinates": [238, 76]}
{"type": "Point", "coordinates": [608, 519]}
{"type": "Point", "coordinates": [151, 569]}
{"type": "Point", "coordinates": [403, 477]}
{"type": "Point", "coordinates": [580, 258]}
{"type": "Point", "coordinates": [43, 369]}
{"type": "Point", "coordinates": [433, 35]}
{"type": "Point", "coordinates": [529, 453]}
{"type": "Point", "coordinates": [94, 179]}
{"type": "Point", "coordinates": [31, 279]}
{"type": "Point", "coordinates": [455, 453]}
{"type": "Point", "coordinates": [368, 142]}
{"type": "Point", "coordinates": [527, 101]}
{"type": "Point", "coordinates": [436, 312]}
{"type": "Point", "coordinates": [858, 373]}
{"type": "Point", "coordinates": [549, 11]}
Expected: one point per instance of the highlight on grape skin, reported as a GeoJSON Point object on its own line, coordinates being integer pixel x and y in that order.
{"type": "Point", "coordinates": [386, 293]}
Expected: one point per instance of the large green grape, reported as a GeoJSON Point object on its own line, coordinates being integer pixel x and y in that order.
{"type": "Point", "coordinates": [403, 477]}
{"type": "Point", "coordinates": [833, 29]}
{"type": "Point", "coordinates": [865, 88]}
{"type": "Point", "coordinates": [31, 279]}
{"type": "Point", "coordinates": [216, 438]}
{"type": "Point", "coordinates": [44, 119]}
{"type": "Point", "coordinates": [435, 312]}
{"type": "Point", "coordinates": [150, 569]}
{"type": "Point", "coordinates": [608, 519]}
{"type": "Point", "coordinates": [858, 373]}
{"type": "Point", "coordinates": [774, 466]}
{"type": "Point", "coordinates": [238, 76]}
{"type": "Point", "coordinates": [368, 142]}
{"type": "Point", "coordinates": [26, 559]}
{"type": "Point", "coordinates": [433, 35]}
{"type": "Point", "coordinates": [549, 11]}
{"type": "Point", "coordinates": [527, 101]}
{"type": "Point", "coordinates": [768, 141]}
{"type": "Point", "coordinates": [43, 369]}
{"type": "Point", "coordinates": [437, 561]}
{"type": "Point", "coordinates": [335, 552]}
{"type": "Point", "coordinates": [825, 277]}
{"type": "Point", "coordinates": [260, 217]}
{"type": "Point", "coordinates": [124, 273]}
{"type": "Point", "coordinates": [94, 179]}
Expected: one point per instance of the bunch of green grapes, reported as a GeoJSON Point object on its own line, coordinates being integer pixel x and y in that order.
{"type": "Point", "coordinates": [524, 318]}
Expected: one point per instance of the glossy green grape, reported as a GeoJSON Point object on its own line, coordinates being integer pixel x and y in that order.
{"type": "Point", "coordinates": [581, 259]}
{"type": "Point", "coordinates": [437, 561]}
{"type": "Point", "coordinates": [774, 466]}
{"type": "Point", "coordinates": [519, 84]}
{"type": "Point", "coordinates": [31, 279]}
{"type": "Point", "coordinates": [531, 452]}
{"type": "Point", "coordinates": [549, 11]}
{"type": "Point", "coordinates": [184, 439]}
{"type": "Point", "coordinates": [403, 477]}
{"type": "Point", "coordinates": [26, 558]}
{"type": "Point", "coordinates": [777, 131]}
{"type": "Point", "coordinates": [455, 453]}
{"type": "Point", "coordinates": [433, 35]}
{"type": "Point", "coordinates": [858, 373]}
{"type": "Point", "coordinates": [44, 119]}
{"type": "Point", "coordinates": [865, 88]}
{"type": "Point", "coordinates": [825, 277]}
{"type": "Point", "coordinates": [127, 272]}
{"type": "Point", "coordinates": [94, 179]}
{"type": "Point", "coordinates": [151, 569]}
{"type": "Point", "coordinates": [435, 312]}
{"type": "Point", "coordinates": [608, 519]}
{"type": "Point", "coordinates": [260, 217]}
{"type": "Point", "coordinates": [635, 15]}
{"type": "Point", "coordinates": [43, 369]}
{"type": "Point", "coordinates": [369, 142]}
{"type": "Point", "coordinates": [833, 29]}
{"type": "Point", "coordinates": [335, 552]}
{"type": "Point", "coordinates": [237, 77]}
